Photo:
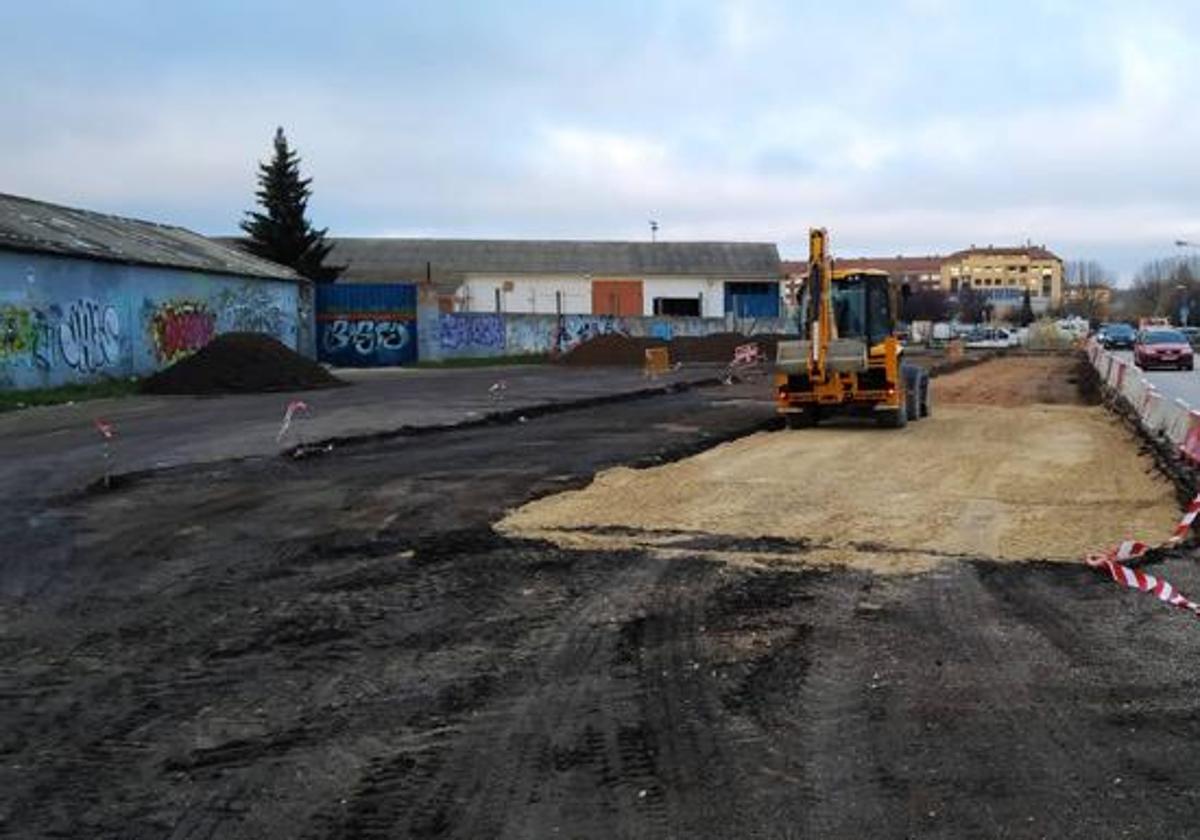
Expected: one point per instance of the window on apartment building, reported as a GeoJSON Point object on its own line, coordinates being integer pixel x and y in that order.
{"type": "Point", "coordinates": [953, 285]}
{"type": "Point", "coordinates": [1047, 286]}
{"type": "Point", "coordinates": [677, 306]}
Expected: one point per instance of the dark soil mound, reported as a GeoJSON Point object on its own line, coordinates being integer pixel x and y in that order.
{"type": "Point", "coordinates": [241, 363]}
{"type": "Point", "coordinates": [612, 349]}
{"type": "Point", "coordinates": [625, 350]}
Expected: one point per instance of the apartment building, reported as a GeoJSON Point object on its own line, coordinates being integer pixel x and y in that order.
{"type": "Point", "coordinates": [1002, 274]}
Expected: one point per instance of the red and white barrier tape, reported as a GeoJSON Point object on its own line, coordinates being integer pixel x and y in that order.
{"type": "Point", "coordinates": [1111, 562]}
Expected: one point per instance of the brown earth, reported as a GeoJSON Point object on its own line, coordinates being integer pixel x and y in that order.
{"type": "Point", "coordinates": [1013, 381]}
{"type": "Point", "coordinates": [235, 363]}
{"type": "Point", "coordinates": [1011, 466]}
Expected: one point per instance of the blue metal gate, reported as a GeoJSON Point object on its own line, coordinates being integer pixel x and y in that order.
{"type": "Point", "coordinates": [752, 300]}
{"type": "Point", "coordinates": [367, 324]}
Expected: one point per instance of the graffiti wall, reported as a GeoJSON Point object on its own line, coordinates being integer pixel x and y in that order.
{"type": "Point", "coordinates": [463, 335]}
{"type": "Point", "coordinates": [65, 320]}
{"type": "Point", "coordinates": [367, 324]}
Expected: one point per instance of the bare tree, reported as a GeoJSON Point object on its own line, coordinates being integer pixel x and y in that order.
{"type": "Point", "coordinates": [1088, 289]}
{"type": "Point", "coordinates": [1162, 287]}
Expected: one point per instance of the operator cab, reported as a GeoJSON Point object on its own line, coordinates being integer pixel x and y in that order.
{"type": "Point", "coordinates": [863, 307]}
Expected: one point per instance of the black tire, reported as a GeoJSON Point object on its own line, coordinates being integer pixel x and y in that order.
{"type": "Point", "coordinates": [898, 418]}
{"type": "Point", "coordinates": [802, 419]}
{"type": "Point", "coordinates": [912, 402]}
{"type": "Point", "coordinates": [911, 375]}
{"type": "Point", "coordinates": [925, 398]}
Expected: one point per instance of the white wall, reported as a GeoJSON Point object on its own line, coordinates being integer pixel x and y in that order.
{"type": "Point", "coordinates": [536, 294]}
{"type": "Point", "coordinates": [713, 291]}
{"type": "Point", "coordinates": [528, 294]}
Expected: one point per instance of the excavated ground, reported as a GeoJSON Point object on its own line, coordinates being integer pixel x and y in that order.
{"type": "Point", "coordinates": [1011, 466]}
{"type": "Point", "coordinates": [344, 647]}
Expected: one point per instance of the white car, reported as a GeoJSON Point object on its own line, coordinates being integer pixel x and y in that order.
{"type": "Point", "coordinates": [989, 338]}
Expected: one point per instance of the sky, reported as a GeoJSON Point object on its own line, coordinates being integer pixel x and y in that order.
{"type": "Point", "coordinates": [909, 126]}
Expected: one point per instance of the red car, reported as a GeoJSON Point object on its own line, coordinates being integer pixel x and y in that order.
{"type": "Point", "coordinates": [1162, 348]}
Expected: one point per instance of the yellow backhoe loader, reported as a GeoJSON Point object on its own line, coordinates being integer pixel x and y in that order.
{"type": "Point", "coordinates": [848, 359]}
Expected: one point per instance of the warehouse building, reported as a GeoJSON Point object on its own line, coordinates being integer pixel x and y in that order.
{"type": "Point", "coordinates": [86, 296]}
{"type": "Point", "coordinates": [704, 279]}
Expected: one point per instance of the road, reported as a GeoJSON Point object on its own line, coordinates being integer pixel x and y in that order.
{"type": "Point", "coordinates": [1175, 384]}
{"type": "Point", "coordinates": [346, 647]}
{"type": "Point", "coordinates": [55, 449]}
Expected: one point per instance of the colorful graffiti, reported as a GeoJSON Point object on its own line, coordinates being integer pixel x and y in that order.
{"type": "Point", "coordinates": [251, 308]}
{"type": "Point", "coordinates": [662, 330]}
{"type": "Point", "coordinates": [367, 324]}
{"type": "Point", "coordinates": [89, 335]}
{"type": "Point", "coordinates": [465, 332]}
{"type": "Point", "coordinates": [366, 337]}
{"type": "Point", "coordinates": [179, 328]}
{"type": "Point", "coordinates": [68, 321]}
{"type": "Point", "coordinates": [18, 332]}
{"type": "Point", "coordinates": [573, 330]}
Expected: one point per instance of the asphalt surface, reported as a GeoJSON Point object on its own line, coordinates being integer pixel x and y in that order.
{"type": "Point", "coordinates": [343, 647]}
{"type": "Point", "coordinates": [55, 449]}
{"type": "Point", "coordinates": [1176, 384]}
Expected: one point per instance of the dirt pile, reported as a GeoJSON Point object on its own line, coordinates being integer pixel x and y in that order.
{"type": "Point", "coordinates": [1013, 381]}
{"type": "Point", "coordinates": [691, 349]}
{"type": "Point", "coordinates": [241, 363]}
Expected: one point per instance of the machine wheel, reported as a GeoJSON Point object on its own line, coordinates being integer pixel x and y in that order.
{"type": "Point", "coordinates": [912, 401]}
{"type": "Point", "coordinates": [912, 377]}
{"type": "Point", "coordinates": [897, 419]}
{"type": "Point", "coordinates": [925, 398]}
{"type": "Point", "coordinates": [802, 419]}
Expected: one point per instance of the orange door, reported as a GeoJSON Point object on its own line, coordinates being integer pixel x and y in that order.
{"type": "Point", "coordinates": [617, 297]}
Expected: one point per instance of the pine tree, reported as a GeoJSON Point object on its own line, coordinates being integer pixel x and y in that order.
{"type": "Point", "coordinates": [1026, 310]}
{"type": "Point", "coordinates": [282, 234]}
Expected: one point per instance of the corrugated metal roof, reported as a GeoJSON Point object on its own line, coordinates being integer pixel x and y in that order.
{"type": "Point", "coordinates": [376, 260]}
{"type": "Point", "coordinates": [29, 225]}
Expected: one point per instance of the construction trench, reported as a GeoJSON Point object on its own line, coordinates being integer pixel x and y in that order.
{"type": "Point", "coordinates": [656, 618]}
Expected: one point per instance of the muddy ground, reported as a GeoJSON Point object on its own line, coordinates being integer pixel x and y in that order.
{"type": "Point", "coordinates": [344, 647]}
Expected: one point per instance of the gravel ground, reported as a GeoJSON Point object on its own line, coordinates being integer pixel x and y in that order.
{"type": "Point", "coordinates": [1011, 466]}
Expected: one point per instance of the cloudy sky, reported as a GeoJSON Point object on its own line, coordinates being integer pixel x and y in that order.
{"type": "Point", "coordinates": [911, 126]}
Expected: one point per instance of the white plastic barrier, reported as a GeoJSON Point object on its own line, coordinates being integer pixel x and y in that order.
{"type": "Point", "coordinates": [1172, 418]}
{"type": "Point", "coordinates": [1110, 368]}
{"type": "Point", "coordinates": [1117, 374]}
{"type": "Point", "coordinates": [1134, 388]}
{"type": "Point", "coordinates": [1178, 421]}
{"type": "Point", "coordinates": [1154, 413]}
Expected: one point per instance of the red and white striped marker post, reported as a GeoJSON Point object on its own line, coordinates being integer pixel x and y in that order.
{"type": "Point", "coordinates": [1112, 561]}
{"type": "Point", "coordinates": [108, 433]}
{"type": "Point", "coordinates": [292, 407]}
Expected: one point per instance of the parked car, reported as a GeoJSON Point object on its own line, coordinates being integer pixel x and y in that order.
{"type": "Point", "coordinates": [1192, 334]}
{"type": "Point", "coordinates": [1162, 348]}
{"type": "Point", "coordinates": [991, 337]}
{"type": "Point", "coordinates": [1118, 337]}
